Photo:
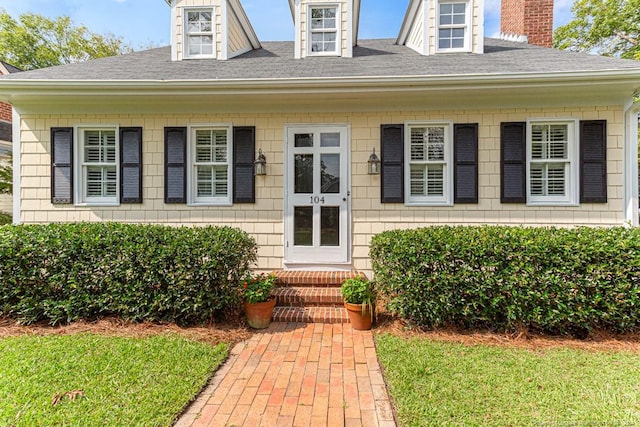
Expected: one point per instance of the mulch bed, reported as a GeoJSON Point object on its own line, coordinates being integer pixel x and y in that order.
{"type": "Point", "coordinates": [595, 341]}
{"type": "Point", "coordinates": [212, 334]}
{"type": "Point", "coordinates": [216, 333]}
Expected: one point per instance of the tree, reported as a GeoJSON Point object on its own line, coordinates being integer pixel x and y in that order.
{"type": "Point", "coordinates": [606, 27]}
{"type": "Point", "coordinates": [6, 178]}
{"type": "Point", "coordinates": [35, 41]}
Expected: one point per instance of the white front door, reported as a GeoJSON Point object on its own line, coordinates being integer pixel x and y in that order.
{"type": "Point", "coordinates": [317, 195]}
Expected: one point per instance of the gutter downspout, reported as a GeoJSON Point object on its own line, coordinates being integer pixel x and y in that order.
{"type": "Point", "coordinates": [630, 188]}
{"type": "Point", "coordinates": [17, 193]}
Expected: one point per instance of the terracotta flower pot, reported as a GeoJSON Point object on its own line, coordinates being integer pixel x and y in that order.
{"type": "Point", "coordinates": [259, 313]}
{"type": "Point", "coordinates": [359, 321]}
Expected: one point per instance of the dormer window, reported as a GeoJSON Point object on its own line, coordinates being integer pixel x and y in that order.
{"type": "Point", "coordinates": [199, 39]}
{"type": "Point", "coordinates": [325, 27]}
{"type": "Point", "coordinates": [453, 26]}
{"type": "Point", "coordinates": [432, 27]}
{"type": "Point", "coordinates": [210, 29]}
{"type": "Point", "coordinates": [324, 30]}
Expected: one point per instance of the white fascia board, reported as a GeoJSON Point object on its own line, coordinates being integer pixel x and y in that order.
{"type": "Point", "coordinates": [356, 21]}
{"type": "Point", "coordinates": [292, 6]}
{"type": "Point", "coordinates": [240, 13]}
{"type": "Point", "coordinates": [10, 87]}
{"type": "Point", "coordinates": [407, 23]}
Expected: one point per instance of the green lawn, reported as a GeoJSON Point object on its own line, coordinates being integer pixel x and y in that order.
{"type": "Point", "coordinates": [442, 383]}
{"type": "Point", "coordinates": [126, 381]}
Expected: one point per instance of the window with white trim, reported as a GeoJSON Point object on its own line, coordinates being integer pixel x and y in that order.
{"type": "Point", "coordinates": [98, 166]}
{"type": "Point", "coordinates": [199, 33]}
{"type": "Point", "coordinates": [453, 26]}
{"type": "Point", "coordinates": [551, 162]}
{"type": "Point", "coordinates": [429, 159]}
{"type": "Point", "coordinates": [210, 153]}
{"type": "Point", "coordinates": [324, 30]}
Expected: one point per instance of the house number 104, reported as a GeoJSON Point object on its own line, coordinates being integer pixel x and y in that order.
{"type": "Point", "coordinates": [315, 200]}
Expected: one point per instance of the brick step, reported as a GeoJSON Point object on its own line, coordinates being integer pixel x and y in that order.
{"type": "Point", "coordinates": [310, 314]}
{"type": "Point", "coordinates": [308, 296]}
{"type": "Point", "coordinates": [325, 279]}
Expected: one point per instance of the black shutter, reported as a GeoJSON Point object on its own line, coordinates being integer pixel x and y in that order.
{"type": "Point", "coordinates": [175, 165]}
{"type": "Point", "coordinates": [62, 165]}
{"type": "Point", "coordinates": [593, 161]}
{"type": "Point", "coordinates": [465, 148]}
{"type": "Point", "coordinates": [513, 162]}
{"type": "Point", "coordinates": [392, 163]}
{"type": "Point", "coordinates": [244, 148]}
{"type": "Point", "coordinates": [131, 165]}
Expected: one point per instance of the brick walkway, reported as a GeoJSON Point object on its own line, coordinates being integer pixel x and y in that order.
{"type": "Point", "coordinates": [296, 374]}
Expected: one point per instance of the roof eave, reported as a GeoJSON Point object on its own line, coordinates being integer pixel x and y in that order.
{"type": "Point", "coordinates": [407, 22]}
{"type": "Point", "coordinates": [479, 80]}
{"type": "Point", "coordinates": [356, 20]}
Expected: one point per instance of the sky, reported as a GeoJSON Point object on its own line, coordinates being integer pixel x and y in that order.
{"type": "Point", "coordinates": [144, 23]}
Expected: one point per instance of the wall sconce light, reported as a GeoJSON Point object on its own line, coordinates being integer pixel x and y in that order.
{"type": "Point", "coordinates": [374, 164]}
{"type": "Point", "coordinates": [260, 164]}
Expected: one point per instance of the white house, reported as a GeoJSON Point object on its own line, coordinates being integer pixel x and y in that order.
{"type": "Point", "coordinates": [469, 130]}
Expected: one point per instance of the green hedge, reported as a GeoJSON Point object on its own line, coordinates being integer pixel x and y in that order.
{"type": "Point", "coordinates": [66, 272]}
{"type": "Point", "coordinates": [508, 278]}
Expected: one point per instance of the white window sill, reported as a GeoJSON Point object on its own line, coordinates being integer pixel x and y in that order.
{"type": "Point", "coordinates": [98, 204]}
{"type": "Point", "coordinates": [552, 204]}
{"type": "Point", "coordinates": [211, 203]}
{"type": "Point", "coordinates": [429, 203]}
{"type": "Point", "coordinates": [199, 57]}
{"type": "Point", "coordinates": [324, 54]}
{"type": "Point", "coordinates": [463, 50]}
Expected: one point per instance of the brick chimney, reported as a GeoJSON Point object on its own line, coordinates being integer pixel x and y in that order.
{"type": "Point", "coordinates": [528, 21]}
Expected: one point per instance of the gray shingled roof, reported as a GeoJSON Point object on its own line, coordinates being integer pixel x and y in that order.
{"type": "Point", "coordinates": [372, 58]}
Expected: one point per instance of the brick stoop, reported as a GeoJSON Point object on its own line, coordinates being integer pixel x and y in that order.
{"type": "Point", "coordinates": [311, 296]}
{"type": "Point", "coordinates": [310, 314]}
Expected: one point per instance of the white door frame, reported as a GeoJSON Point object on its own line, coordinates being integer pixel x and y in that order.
{"type": "Point", "coordinates": [315, 257]}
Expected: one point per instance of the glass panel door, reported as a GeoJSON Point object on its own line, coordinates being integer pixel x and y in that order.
{"type": "Point", "coordinates": [317, 211]}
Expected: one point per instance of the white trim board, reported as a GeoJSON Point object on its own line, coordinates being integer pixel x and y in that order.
{"type": "Point", "coordinates": [17, 169]}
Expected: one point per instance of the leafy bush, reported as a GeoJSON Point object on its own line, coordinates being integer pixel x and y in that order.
{"type": "Point", "coordinates": [5, 218]}
{"type": "Point", "coordinates": [507, 278]}
{"type": "Point", "coordinates": [65, 272]}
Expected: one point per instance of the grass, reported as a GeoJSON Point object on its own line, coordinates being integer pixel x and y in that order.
{"type": "Point", "coordinates": [5, 218]}
{"type": "Point", "coordinates": [125, 381]}
{"type": "Point", "coordinates": [442, 383]}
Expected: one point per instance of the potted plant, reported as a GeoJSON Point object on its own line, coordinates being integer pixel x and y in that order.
{"type": "Point", "coordinates": [359, 299]}
{"type": "Point", "coordinates": [258, 301]}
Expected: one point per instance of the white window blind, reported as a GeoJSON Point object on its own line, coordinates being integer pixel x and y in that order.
{"type": "Point", "coordinates": [210, 160]}
{"type": "Point", "coordinates": [99, 168]}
